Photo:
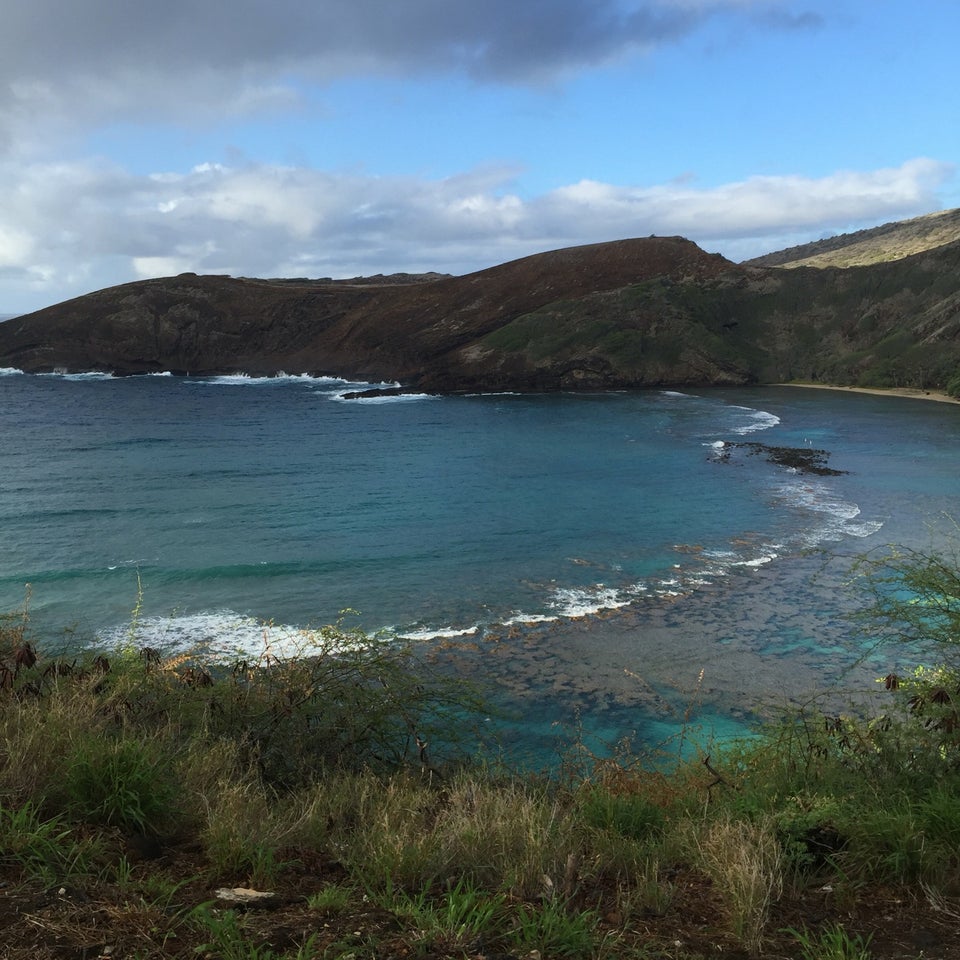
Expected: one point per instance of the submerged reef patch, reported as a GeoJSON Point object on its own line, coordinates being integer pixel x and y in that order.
{"type": "Point", "coordinates": [801, 459]}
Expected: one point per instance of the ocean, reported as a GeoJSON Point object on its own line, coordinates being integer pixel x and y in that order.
{"type": "Point", "coordinates": [629, 564]}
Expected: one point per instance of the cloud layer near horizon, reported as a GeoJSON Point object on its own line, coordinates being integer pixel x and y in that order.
{"type": "Point", "coordinates": [273, 221]}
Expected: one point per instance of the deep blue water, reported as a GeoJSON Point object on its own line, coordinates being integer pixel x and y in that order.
{"type": "Point", "coordinates": [604, 518]}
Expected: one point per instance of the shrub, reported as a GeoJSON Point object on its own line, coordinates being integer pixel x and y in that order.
{"type": "Point", "coordinates": [914, 599]}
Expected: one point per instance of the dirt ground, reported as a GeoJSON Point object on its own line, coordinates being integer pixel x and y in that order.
{"type": "Point", "coordinates": [100, 921]}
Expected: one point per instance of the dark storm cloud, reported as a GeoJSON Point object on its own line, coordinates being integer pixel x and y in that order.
{"type": "Point", "coordinates": [103, 54]}
{"type": "Point", "coordinates": [498, 38]}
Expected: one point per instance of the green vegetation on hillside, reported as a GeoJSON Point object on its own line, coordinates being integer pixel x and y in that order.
{"type": "Point", "coordinates": [895, 326]}
{"type": "Point", "coordinates": [953, 385]}
{"type": "Point", "coordinates": [132, 788]}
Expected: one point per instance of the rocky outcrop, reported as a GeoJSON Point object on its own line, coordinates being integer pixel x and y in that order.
{"type": "Point", "coordinates": [630, 313]}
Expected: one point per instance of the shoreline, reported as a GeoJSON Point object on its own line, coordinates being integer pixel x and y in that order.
{"type": "Point", "coordinates": [906, 393]}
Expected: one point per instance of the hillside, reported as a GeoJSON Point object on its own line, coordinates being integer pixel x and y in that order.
{"type": "Point", "coordinates": [891, 241]}
{"type": "Point", "coordinates": [410, 331]}
{"type": "Point", "coordinates": [657, 311]}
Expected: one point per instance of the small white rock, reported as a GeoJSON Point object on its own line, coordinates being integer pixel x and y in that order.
{"type": "Point", "coordinates": [245, 897]}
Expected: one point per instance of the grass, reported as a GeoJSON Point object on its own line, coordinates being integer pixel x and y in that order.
{"type": "Point", "coordinates": [831, 943]}
{"type": "Point", "coordinates": [744, 859]}
{"type": "Point", "coordinates": [130, 791]}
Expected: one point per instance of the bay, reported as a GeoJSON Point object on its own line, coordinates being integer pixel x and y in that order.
{"type": "Point", "coordinates": [626, 558]}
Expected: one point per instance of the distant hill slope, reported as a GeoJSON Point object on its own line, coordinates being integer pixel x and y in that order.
{"type": "Point", "coordinates": [656, 311]}
{"type": "Point", "coordinates": [891, 241]}
{"type": "Point", "coordinates": [409, 331]}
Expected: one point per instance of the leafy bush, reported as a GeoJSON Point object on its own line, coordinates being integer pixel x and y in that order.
{"type": "Point", "coordinates": [341, 700]}
{"type": "Point", "coordinates": [914, 599]}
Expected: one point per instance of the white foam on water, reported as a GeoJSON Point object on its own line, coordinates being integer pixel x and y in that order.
{"type": "Point", "coordinates": [132, 563]}
{"type": "Point", "coordinates": [245, 379]}
{"type": "Point", "coordinates": [720, 556]}
{"type": "Point", "coordinates": [760, 561]}
{"type": "Point", "coordinates": [88, 375]}
{"type": "Point", "coordinates": [584, 601]}
{"type": "Point", "coordinates": [496, 393]}
{"type": "Point", "coordinates": [337, 383]}
{"type": "Point", "coordinates": [9, 371]}
{"type": "Point", "coordinates": [234, 379]}
{"type": "Point", "coordinates": [756, 420]}
{"type": "Point", "coordinates": [521, 619]}
{"type": "Point", "coordinates": [393, 398]}
{"type": "Point", "coordinates": [815, 496]}
{"type": "Point", "coordinates": [707, 567]}
{"type": "Point", "coordinates": [225, 636]}
{"type": "Point", "coordinates": [866, 528]}
{"type": "Point", "coordinates": [719, 449]}
{"type": "Point", "coordinates": [329, 381]}
{"type": "Point", "coordinates": [836, 516]}
{"type": "Point", "coordinates": [423, 634]}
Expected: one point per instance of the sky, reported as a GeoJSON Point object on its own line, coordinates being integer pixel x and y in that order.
{"type": "Point", "coordinates": [338, 138]}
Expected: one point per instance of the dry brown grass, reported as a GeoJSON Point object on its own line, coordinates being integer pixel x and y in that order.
{"type": "Point", "coordinates": [745, 861]}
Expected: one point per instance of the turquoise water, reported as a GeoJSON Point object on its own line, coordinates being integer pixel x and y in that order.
{"type": "Point", "coordinates": [602, 536]}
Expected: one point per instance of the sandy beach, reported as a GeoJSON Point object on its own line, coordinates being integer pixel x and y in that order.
{"type": "Point", "coordinates": [907, 393]}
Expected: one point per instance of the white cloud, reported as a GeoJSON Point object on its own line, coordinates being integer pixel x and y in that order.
{"type": "Point", "coordinates": [760, 206]}
{"type": "Point", "coordinates": [145, 268]}
{"type": "Point", "coordinates": [72, 224]}
{"type": "Point", "coordinates": [16, 247]}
